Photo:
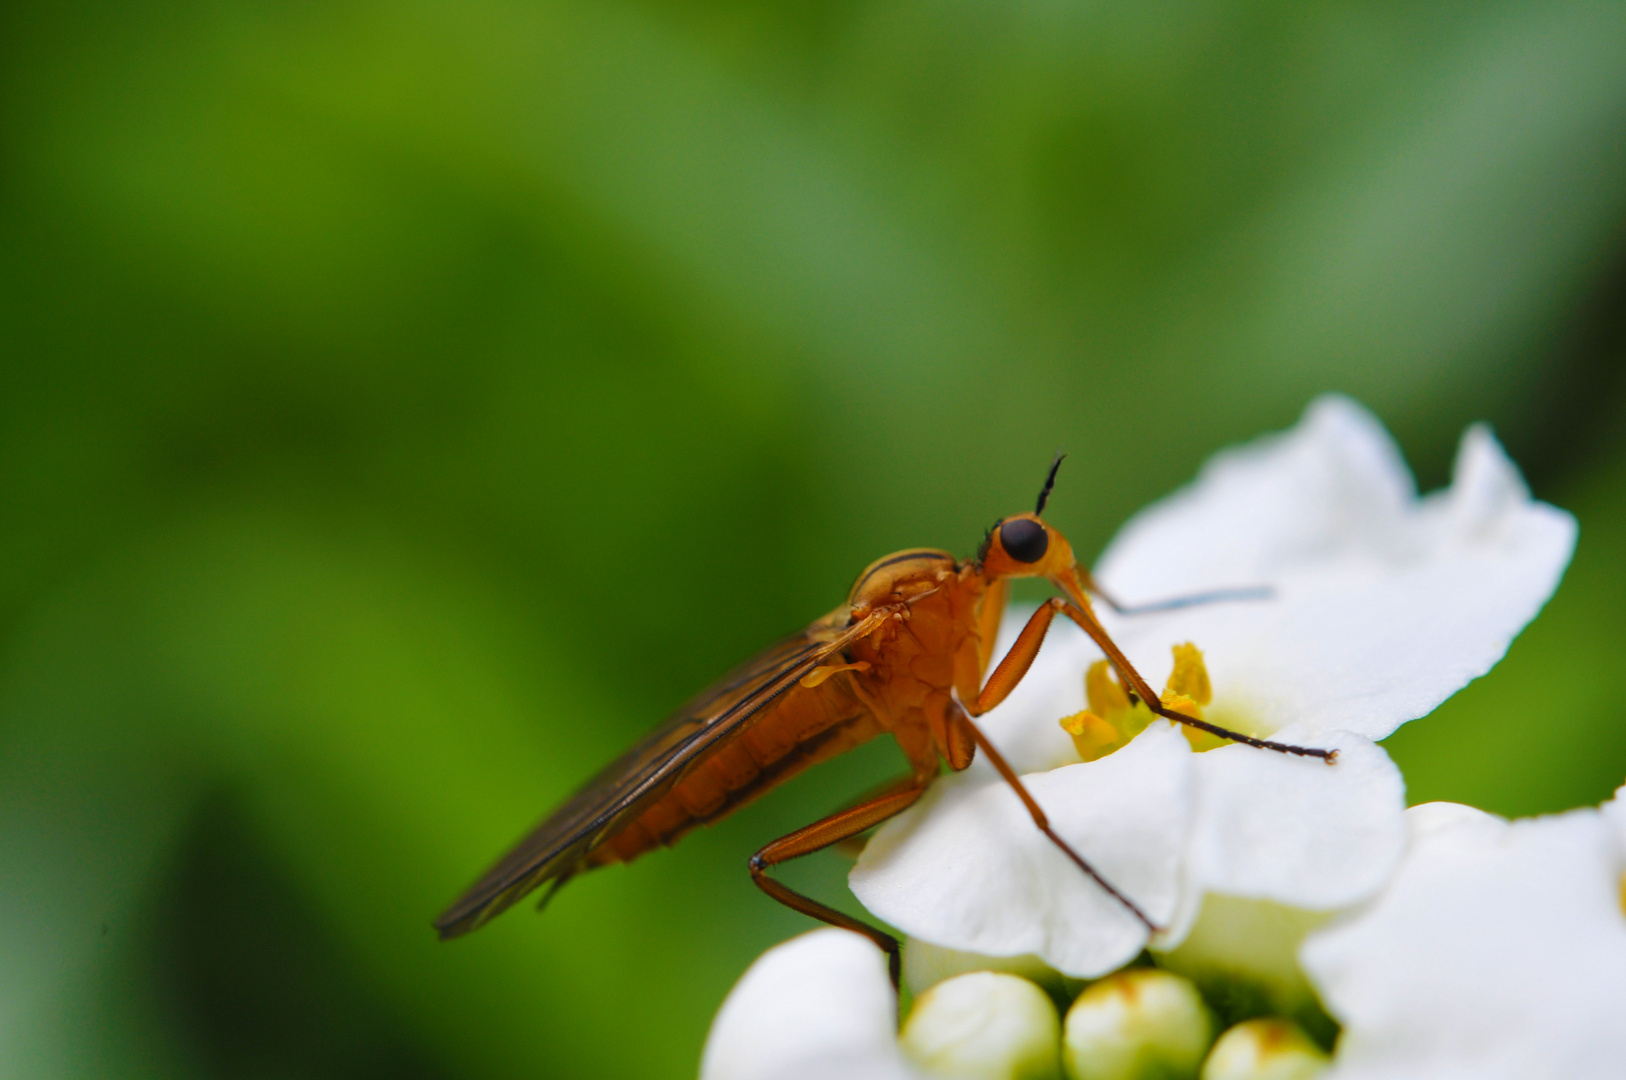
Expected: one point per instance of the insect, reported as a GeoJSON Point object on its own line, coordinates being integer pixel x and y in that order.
{"type": "Point", "coordinates": [906, 655]}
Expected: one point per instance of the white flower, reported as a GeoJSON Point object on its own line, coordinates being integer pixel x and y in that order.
{"type": "Point", "coordinates": [1495, 950]}
{"type": "Point", "coordinates": [1498, 951]}
{"type": "Point", "coordinates": [988, 890]}
{"type": "Point", "coordinates": [1383, 605]}
{"type": "Point", "coordinates": [819, 1005]}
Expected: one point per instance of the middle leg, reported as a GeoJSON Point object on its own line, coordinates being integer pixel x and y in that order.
{"type": "Point", "coordinates": [832, 830]}
{"type": "Point", "coordinates": [1042, 820]}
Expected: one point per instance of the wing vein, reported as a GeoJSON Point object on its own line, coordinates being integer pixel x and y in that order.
{"type": "Point", "coordinates": [627, 786]}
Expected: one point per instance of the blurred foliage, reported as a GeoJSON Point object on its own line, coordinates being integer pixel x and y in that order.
{"type": "Point", "coordinates": [404, 405]}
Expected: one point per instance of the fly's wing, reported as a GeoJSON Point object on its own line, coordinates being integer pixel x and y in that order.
{"type": "Point", "coordinates": [624, 788]}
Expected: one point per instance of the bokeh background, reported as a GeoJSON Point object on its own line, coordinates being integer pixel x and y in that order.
{"type": "Point", "coordinates": [404, 405]}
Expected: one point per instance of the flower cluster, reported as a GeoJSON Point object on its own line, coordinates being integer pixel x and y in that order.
{"type": "Point", "coordinates": [1293, 900]}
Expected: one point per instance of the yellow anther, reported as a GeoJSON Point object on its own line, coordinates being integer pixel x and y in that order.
{"type": "Point", "coordinates": [1102, 690]}
{"type": "Point", "coordinates": [1622, 893]}
{"type": "Point", "coordinates": [1188, 691]}
{"type": "Point", "coordinates": [1111, 721]}
{"type": "Point", "coordinates": [1094, 737]}
{"type": "Point", "coordinates": [1182, 704]}
{"type": "Point", "coordinates": [1199, 739]}
{"type": "Point", "coordinates": [1190, 675]}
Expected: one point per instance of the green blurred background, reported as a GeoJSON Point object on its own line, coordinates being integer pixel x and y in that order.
{"type": "Point", "coordinates": [404, 405]}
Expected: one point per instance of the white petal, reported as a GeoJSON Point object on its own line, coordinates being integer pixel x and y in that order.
{"type": "Point", "coordinates": [966, 868]}
{"type": "Point", "coordinates": [1284, 500]}
{"type": "Point", "coordinates": [1498, 950]}
{"type": "Point", "coordinates": [818, 1005]}
{"type": "Point", "coordinates": [1384, 605]}
{"type": "Point", "coordinates": [1614, 812]}
{"type": "Point", "coordinates": [1296, 830]}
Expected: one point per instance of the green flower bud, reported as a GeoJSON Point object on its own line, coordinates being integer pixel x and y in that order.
{"type": "Point", "coordinates": [985, 1026]}
{"type": "Point", "coordinates": [1269, 1048]}
{"type": "Point", "coordinates": [1142, 1024]}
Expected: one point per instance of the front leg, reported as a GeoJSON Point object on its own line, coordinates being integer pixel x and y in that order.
{"type": "Point", "coordinates": [1014, 665]}
{"type": "Point", "coordinates": [1017, 662]}
{"type": "Point", "coordinates": [1143, 689]}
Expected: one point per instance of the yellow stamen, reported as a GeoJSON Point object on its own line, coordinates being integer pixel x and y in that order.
{"type": "Point", "coordinates": [1190, 675]}
{"type": "Point", "coordinates": [1102, 690]}
{"type": "Point", "coordinates": [1172, 699]}
{"type": "Point", "coordinates": [1094, 737]}
{"type": "Point", "coordinates": [1188, 691]}
{"type": "Point", "coordinates": [1111, 721]}
{"type": "Point", "coordinates": [1199, 739]}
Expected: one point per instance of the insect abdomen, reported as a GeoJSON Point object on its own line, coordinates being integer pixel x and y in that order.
{"type": "Point", "coordinates": [807, 726]}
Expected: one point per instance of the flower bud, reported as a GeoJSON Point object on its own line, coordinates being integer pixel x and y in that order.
{"type": "Point", "coordinates": [1137, 1023]}
{"type": "Point", "coordinates": [985, 1026]}
{"type": "Point", "coordinates": [925, 965]}
{"type": "Point", "coordinates": [1269, 1048]}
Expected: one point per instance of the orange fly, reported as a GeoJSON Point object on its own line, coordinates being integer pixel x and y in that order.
{"type": "Point", "coordinates": [906, 655]}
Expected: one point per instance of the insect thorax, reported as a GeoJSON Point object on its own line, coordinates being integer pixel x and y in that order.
{"type": "Point", "coordinates": [900, 577]}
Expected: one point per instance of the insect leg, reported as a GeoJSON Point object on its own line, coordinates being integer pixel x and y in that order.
{"type": "Point", "coordinates": [1015, 663]}
{"type": "Point", "coordinates": [821, 834]}
{"type": "Point", "coordinates": [1173, 603]}
{"type": "Point", "coordinates": [1144, 691]}
{"type": "Point", "coordinates": [1004, 679]}
{"type": "Point", "coordinates": [989, 615]}
{"type": "Point", "coordinates": [997, 760]}
{"type": "Point", "coordinates": [1022, 653]}
{"type": "Point", "coordinates": [553, 887]}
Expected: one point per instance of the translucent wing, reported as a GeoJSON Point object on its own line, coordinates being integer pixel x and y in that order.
{"type": "Point", "coordinates": [623, 789]}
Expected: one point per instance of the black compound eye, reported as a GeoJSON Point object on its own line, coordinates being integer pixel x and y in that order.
{"type": "Point", "coordinates": [1024, 539]}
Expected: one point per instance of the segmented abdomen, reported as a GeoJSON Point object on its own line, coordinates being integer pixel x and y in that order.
{"type": "Point", "coordinates": [803, 728]}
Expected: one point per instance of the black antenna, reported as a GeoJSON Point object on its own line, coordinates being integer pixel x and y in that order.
{"type": "Point", "coordinates": [1049, 482]}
